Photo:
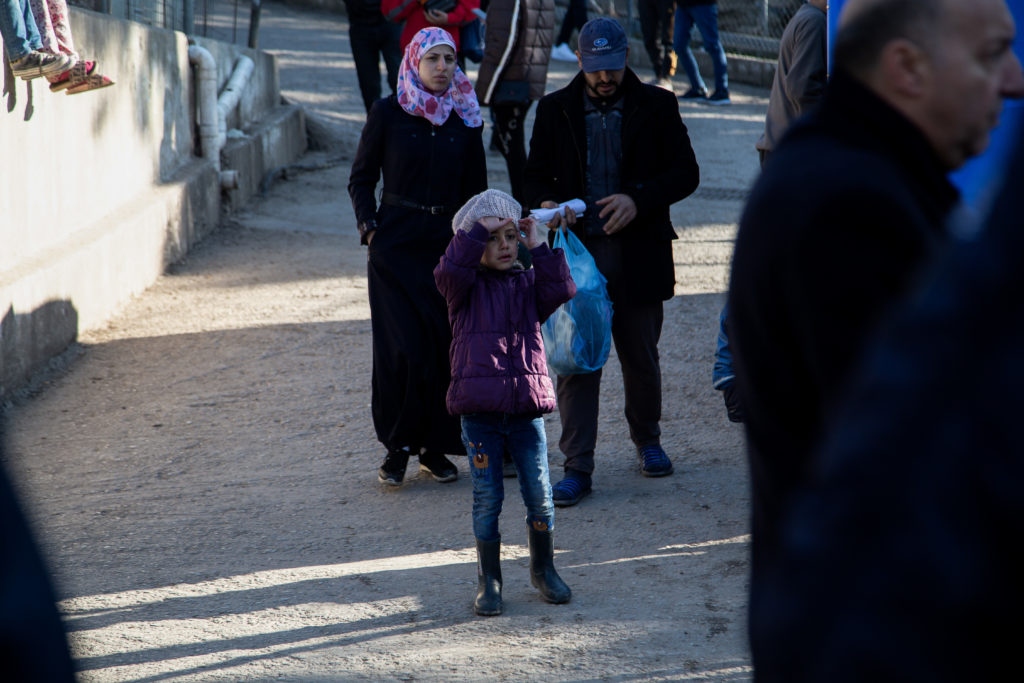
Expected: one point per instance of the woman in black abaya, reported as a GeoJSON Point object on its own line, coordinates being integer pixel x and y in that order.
{"type": "Point", "coordinates": [426, 142]}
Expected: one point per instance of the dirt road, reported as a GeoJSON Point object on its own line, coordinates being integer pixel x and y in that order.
{"type": "Point", "coordinates": [202, 470]}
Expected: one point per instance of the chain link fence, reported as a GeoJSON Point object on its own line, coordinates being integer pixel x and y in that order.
{"type": "Point", "coordinates": [238, 18]}
{"type": "Point", "coordinates": [753, 27]}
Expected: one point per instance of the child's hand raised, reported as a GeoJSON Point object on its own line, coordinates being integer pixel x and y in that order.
{"type": "Point", "coordinates": [529, 233]}
{"type": "Point", "coordinates": [493, 223]}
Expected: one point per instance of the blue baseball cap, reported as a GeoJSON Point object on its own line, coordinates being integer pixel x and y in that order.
{"type": "Point", "coordinates": [603, 45]}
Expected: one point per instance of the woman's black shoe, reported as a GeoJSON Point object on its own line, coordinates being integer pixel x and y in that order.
{"type": "Point", "coordinates": [392, 472]}
{"type": "Point", "coordinates": [440, 468]}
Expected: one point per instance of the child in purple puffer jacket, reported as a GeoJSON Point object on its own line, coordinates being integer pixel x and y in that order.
{"type": "Point", "coordinates": [500, 385]}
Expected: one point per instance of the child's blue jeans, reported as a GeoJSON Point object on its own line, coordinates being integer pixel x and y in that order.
{"type": "Point", "coordinates": [487, 437]}
{"type": "Point", "coordinates": [18, 29]}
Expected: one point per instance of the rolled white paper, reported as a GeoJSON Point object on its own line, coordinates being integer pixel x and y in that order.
{"type": "Point", "coordinates": [545, 215]}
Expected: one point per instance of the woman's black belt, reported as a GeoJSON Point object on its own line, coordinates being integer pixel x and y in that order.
{"type": "Point", "coordinates": [397, 200]}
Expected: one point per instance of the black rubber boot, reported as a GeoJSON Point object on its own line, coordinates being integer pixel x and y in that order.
{"type": "Point", "coordinates": [488, 576]}
{"type": "Point", "coordinates": [542, 568]}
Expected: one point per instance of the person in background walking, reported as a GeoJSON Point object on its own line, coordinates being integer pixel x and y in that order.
{"type": "Point", "coordinates": [656, 26]}
{"type": "Point", "coordinates": [800, 75]}
{"type": "Point", "coordinates": [513, 74]}
{"type": "Point", "coordinates": [502, 389]}
{"type": "Point", "coordinates": [449, 15]}
{"type": "Point", "coordinates": [372, 38]}
{"type": "Point", "coordinates": [619, 145]}
{"type": "Point", "coordinates": [799, 83]}
{"type": "Point", "coordinates": [574, 19]}
{"type": "Point", "coordinates": [427, 143]}
{"type": "Point", "coordinates": [703, 13]}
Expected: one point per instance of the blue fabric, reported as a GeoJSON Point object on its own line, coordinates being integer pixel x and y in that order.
{"type": "Point", "coordinates": [706, 19]}
{"type": "Point", "coordinates": [488, 436]}
{"type": "Point", "coordinates": [471, 40]}
{"type": "Point", "coordinates": [18, 29]}
{"type": "Point", "coordinates": [723, 373]}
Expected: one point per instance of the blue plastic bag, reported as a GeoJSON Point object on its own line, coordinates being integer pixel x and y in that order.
{"type": "Point", "coordinates": [578, 335]}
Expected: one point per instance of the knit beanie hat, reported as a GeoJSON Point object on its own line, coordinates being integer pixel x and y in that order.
{"type": "Point", "coordinates": [487, 203]}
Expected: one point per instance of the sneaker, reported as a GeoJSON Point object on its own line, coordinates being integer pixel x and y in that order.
{"type": "Point", "coordinates": [653, 461]}
{"type": "Point", "coordinates": [392, 472]}
{"type": "Point", "coordinates": [36, 64]}
{"type": "Point", "coordinates": [439, 467]}
{"type": "Point", "coordinates": [694, 94]}
{"type": "Point", "coordinates": [573, 488]}
{"type": "Point", "coordinates": [719, 97]}
{"type": "Point", "coordinates": [563, 53]}
{"type": "Point", "coordinates": [665, 83]}
{"type": "Point", "coordinates": [508, 468]}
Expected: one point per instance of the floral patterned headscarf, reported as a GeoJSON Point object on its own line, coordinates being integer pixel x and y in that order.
{"type": "Point", "coordinates": [414, 97]}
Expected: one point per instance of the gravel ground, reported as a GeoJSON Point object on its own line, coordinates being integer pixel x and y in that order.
{"type": "Point", "coordinates": [202, 470]}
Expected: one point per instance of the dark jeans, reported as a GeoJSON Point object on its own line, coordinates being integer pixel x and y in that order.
{"type": "Point", "coordinates": [369, 43]}
{"type": "Point", "coordinates": [509, 134]}
{"type": "Point", "coordinates": [656, 26]}
{"type": "Point", "coordinates": [574, 19]}
{"type": "Point", "coordinates": [635, 331]}
{"type": "Point", "coordinates": [706, 19]}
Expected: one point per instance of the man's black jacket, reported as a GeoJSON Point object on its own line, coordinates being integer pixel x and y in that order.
{"type": "Point", "coordinates": [658, 168]}
{"type": "Point", "coordinates": [847, 211]}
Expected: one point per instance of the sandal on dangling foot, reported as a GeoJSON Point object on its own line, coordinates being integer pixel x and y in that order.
{"type": "Point", "coordinates": [73, 76]}
{"type": "Point", "coordinates": [91, 82]}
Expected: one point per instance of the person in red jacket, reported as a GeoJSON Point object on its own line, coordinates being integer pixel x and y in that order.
{"type": "Point", "coordinates": [500, 385]}
{"type": "Point", "coordinates": [450, 15]}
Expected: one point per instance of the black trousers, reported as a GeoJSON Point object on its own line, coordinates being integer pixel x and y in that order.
{"type": "Point", "coordinates": [370, 42]}
{"type": "Point", "coordinates": [636, 330]}
{"type": "Point", "coordinates": [511, 140]}
{"type": "Point", "coordinates": [575, 17]}
{"type": "Point", "coordinates": [656, 26]}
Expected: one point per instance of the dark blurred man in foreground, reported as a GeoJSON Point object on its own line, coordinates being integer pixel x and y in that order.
{"type": "Point", "coordinates": [841, 221]}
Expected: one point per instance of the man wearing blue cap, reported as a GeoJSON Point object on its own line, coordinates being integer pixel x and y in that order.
{"type": "Point", "coordinates": [620, 145]}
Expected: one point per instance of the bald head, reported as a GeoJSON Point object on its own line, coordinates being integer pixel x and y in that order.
{"type": "Point", "coordinates": [867, 26]}
{"type": "Point", "coordinates": [946, 65]}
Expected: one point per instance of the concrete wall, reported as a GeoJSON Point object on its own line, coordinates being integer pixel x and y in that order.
{"type": "Point", "coordinates": [102, 190]}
